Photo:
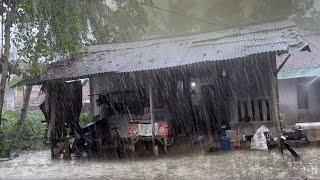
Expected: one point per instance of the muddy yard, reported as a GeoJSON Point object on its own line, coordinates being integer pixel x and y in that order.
{"type": "Point", "coordinates": [242, 164]}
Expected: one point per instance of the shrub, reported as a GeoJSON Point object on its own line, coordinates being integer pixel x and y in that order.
{"type": "Point", "coordinates": [85, 118]}
{"type": "Point", "coordinates": [31, 135]}
{"type": "Point", "coordinates": [4, 146]}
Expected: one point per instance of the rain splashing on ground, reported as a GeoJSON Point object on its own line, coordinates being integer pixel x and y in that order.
{"type": "Point", "coordinates": [242, 164]}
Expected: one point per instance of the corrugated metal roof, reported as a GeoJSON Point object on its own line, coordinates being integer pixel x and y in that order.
{"type": "Point", "coordinates": [165, 53]}
{"type": "Point", "coordinates": [313, 42]}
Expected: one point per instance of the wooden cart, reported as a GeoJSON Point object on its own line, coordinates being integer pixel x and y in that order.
{"type": "Point", "coordinates": [141, 129]}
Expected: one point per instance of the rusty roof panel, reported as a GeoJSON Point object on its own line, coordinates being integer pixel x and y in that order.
{"type": "Point", "coordinates": [165, 53]}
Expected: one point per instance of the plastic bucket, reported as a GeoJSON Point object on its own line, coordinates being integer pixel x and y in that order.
{"type": "Point", "coordinates": [225, 144]}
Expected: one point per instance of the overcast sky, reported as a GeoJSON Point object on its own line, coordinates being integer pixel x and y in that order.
{"type": "Point", "coordinates": [112, 4]}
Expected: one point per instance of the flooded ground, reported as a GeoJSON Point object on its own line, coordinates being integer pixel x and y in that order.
{"type": "Point", "coordinates": [242, 164]}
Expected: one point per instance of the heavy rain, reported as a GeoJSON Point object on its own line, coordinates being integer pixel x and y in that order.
{"type": "Point", "coordinates": [160, 89]}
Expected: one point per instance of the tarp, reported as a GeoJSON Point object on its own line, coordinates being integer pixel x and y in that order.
{"type": "Point", "coordinates": [259, 141]}
{"type": "Point", "coordinates": [308, 126]}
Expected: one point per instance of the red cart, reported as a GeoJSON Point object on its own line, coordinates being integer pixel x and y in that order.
{"type": "Point", "coordinates": [141, 129]}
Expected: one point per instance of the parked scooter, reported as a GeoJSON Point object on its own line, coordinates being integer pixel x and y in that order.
{"type": "Point", "coordinates": [83, 143]}
{"type": "Point", "coordinates": [90, 139]}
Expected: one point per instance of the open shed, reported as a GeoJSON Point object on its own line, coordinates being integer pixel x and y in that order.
{"type": "Point", "coordinates": [202, 80]}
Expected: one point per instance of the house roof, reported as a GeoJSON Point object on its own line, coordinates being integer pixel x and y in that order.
{"type": "Point", "coordinates": [172, 52]}
{"type": "Point", "coordinates": [303, 63]}
{"type": "Point", "coordinates": [314, 42]}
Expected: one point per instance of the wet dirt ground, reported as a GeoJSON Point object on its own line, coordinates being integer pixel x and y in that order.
{"type": "Point", "coordinates": [237, 164]}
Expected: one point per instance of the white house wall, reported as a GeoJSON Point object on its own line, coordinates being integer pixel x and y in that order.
{"type": "Point", "coordinates": [288, 100]}
{"type": "Point", "coordinates": [314, 102]}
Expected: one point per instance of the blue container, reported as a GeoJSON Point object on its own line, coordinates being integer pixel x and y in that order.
{"type": "Point", "coordinates": [225, 144]}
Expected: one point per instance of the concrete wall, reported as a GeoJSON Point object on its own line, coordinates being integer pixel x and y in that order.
{"type": "Point", "coordinates": [314, 102]}
{"type": "Point", "coordinates": [288, 101]}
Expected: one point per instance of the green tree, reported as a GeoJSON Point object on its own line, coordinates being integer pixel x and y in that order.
{"type": "Point", "coordinates": [49, 30]}
{"type": "Point", "coordinates": [9, 10]}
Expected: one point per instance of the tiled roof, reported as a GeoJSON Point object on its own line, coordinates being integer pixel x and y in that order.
{"type": "Point", "coordinates": [302, 63]}
{"type": "Point", "coordinates": [313, 42]}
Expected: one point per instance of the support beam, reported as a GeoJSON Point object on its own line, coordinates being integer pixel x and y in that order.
{"type": "Point", "coordinates": [152, 117]}
{"type": "Point", "coordinates": [283, 63]}
{"type": "Point", "coordinates": [275, 93]}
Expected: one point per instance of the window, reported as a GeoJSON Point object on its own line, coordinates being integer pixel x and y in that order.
{"type": "Point", "coordinates": [254, 110]}
{"type": "Point", "coordinates": [239, 111]}
{"type": "Point", "coordinates": [260, 110]}
{"type": "Point", "coordinates": [243, 111]}
{"type": "Point", "coordinates": [268, 110]}
{"type": "Point", "coordinates": [246, 111]}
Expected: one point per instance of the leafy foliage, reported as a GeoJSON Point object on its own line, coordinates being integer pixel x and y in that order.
{"type": "Point", "coordinates": [4, 146]}
{"type": "Point", "coordinates": [69, 25]}
{"type": "Point", "coordinates": [13, 80]}
{"type": "Point", "coordinates": [85, 118]}
{"type": "Point", "coordinates": [32, 132]}
{"type": "Point", "coordinates": [47, 30]}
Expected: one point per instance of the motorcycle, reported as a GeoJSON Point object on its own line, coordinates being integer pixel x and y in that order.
{"type": "Point", "coordinates": [90, 139]}
{"type": "Point", "coordinates": [83, 143]}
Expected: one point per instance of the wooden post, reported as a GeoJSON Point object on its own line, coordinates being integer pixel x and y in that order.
{"type": "Point", "coordinates": [52, 108]}
{"type": "Point", "coordinates": [92, 97]}
{"type": "Point", "coordinates": [279, 120]}
{"type": "Point", "coordinates": [152, 116]}
{"type": "Point", "coordinates": [275, 96]}
{"type": "Point", "coordinates": [208, 123]}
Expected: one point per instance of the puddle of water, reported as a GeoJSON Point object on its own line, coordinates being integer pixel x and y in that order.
{"type": "Point", "coordinates": [229, 165]}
